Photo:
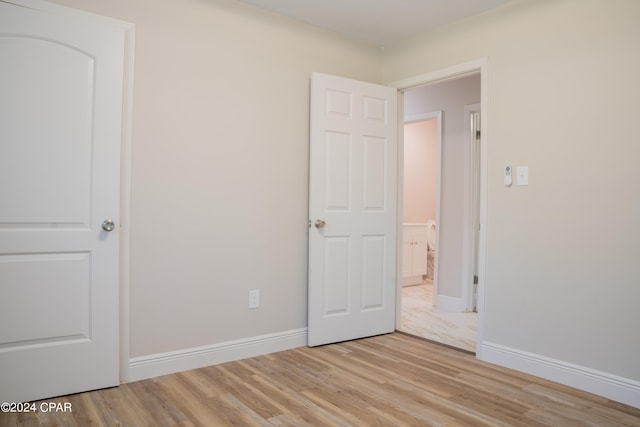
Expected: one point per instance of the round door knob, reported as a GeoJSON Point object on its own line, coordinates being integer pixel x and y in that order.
{"type": "Point", "coordinates": [108, 225]}
{"type": "Point", "coordinates": [320, 223]}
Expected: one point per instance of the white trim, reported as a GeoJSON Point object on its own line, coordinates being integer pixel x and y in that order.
{"type": "Point", "coordinates": [421, 117]}
{"type": "Point", "coordinates": [47, 6]}
{"type": "Point", "coordinates": [468, 232]}
{"type": "Point", "coordinates": [601, 383]}
{"type": "Point", "coordinates": [461, 70]}
{"type": "Point", "coordinates": [125, 199]}
{"type": "Point", "coordinates": [411, 280]}
{"type": "Point", "coordinates": [197, 357]}
{"type": "Point", "coordinates": [442, 75]}
{"type": "Point", "coordinates": [399, 209]}
{"type": "Point", "coordinates": [484, 198]}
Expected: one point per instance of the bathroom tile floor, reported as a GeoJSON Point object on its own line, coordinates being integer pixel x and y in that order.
{"type": "Point", "coordinates": [420, 318]}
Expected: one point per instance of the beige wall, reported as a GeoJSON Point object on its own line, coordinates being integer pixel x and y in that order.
{"type": "Point", "coordinates": [420, 171]}
{"type": "Point", "coordinates": [563, 98]}
{"type": "Point", "coordinates": [220, 166]}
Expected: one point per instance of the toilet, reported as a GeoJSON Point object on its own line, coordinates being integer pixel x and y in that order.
{"type": "Point", "coordinates": [431, 247]}
{"type": "Point", "coordinates": [431, 235]}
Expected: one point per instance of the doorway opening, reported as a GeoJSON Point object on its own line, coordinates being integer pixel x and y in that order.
{"type": "Point", "coordinates": [441, 304]}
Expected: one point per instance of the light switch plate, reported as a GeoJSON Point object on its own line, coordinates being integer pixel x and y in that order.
{"type": "Point", "coordinates": [522, 175]}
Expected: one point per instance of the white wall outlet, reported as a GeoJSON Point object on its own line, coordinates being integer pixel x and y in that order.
{"type": "Point", "coordinates": [254, 298]}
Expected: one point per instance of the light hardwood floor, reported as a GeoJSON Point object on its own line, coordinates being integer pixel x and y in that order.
{"type": "Point", "coordinates": [420, 318]}
{"type": "Point", "coordinates": [388, 380]}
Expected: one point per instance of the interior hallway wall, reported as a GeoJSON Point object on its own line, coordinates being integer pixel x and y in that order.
{"type": "Point", "coordinates": [220, 166]}
{"type": "Point", "coordinates": [562, 252]}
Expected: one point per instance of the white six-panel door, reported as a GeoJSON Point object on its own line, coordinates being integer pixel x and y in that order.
{"type": "Point", "coordinates": [60, 135]}
{"type": "Point", "coordinates": [352, 208]}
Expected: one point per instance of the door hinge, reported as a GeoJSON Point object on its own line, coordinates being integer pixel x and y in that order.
{"type": "Point", "coordinates": [477, 134]}
{"type": "Point", "coordinates": [475, 279]}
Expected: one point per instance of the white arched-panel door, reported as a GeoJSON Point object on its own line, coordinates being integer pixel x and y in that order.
{"type": "Point", "coordinates": [352, 208]}
{"type": "Point", "coordinates": [61, 86]}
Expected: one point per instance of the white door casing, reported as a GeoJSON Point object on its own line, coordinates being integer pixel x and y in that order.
{"type": "Point", "coordinates": [353, 174]}
{"type": "Point", "coordinates": [441, 75]}
{"type": "Point", "coordinates": [475, 149]}
{"type": "Point", "coordinates": [471, 231]}
{"type": "Point", "coordinates": [61, 82]}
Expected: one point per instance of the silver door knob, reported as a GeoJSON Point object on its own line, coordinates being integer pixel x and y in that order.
{"type": "Point", "coordinates": [108, 225]}
{"type": "Point", "coordinates": [320, 223]}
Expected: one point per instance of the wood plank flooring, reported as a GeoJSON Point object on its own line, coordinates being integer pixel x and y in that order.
{"type": "Point", "coordinates": [388, 380]}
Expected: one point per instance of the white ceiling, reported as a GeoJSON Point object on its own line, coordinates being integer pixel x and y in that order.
{"type": "Point", "coordinates": [378, 22]}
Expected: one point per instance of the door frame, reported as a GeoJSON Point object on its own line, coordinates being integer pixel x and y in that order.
{"type": "Point", "coordinates": [478, 66]}
{"type": "Point", "coordinates": [125, 198]}
{"type": "Point", "coordinates": [470, 179]}
{"type": "Point", "coordinates": [431, 115]}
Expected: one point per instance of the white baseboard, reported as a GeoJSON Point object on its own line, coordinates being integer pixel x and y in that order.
{"type": "Point", "coordinates": [411, 280]}
{"type": "Point", "coordinates": [601, 383]}
{"type": "Point", "coordinates": [612, 387]}
{"type": "Point", "coordinates": [155, 365]}
{"type": "Point", "coordinates": [447, 303]}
